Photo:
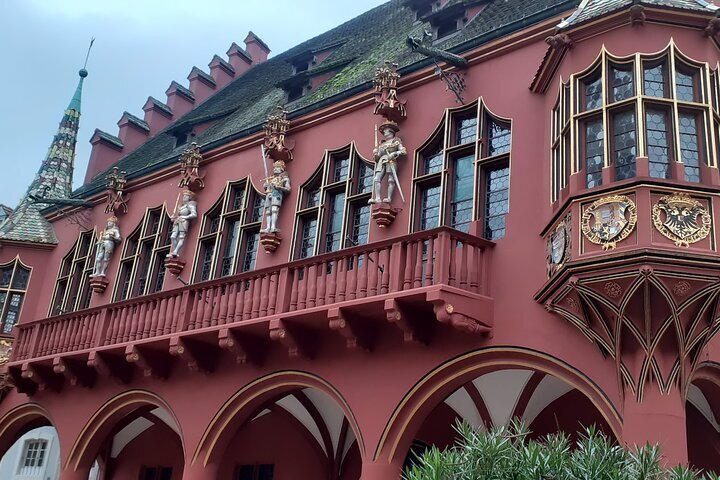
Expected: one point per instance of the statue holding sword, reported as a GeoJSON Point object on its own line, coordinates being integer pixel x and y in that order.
{"type": "Point", "coordinates": [386, 155]}
{"type": "Point", "coordinates": [276, 187]}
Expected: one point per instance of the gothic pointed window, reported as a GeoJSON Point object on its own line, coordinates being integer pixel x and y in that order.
{"type": "Point", "coordinates": [72, 287]}
{"type": "Point", "coordinates": [14, 279]}
{"type": "Point", "coordinates": [462, 173]}
{"type": "Point", "coordinates": [230, 233]}
{"type": "Point", "coordinates": [333, 211]}
{"type": "Point", "coordinates": [142, 263]}
{"type": "Point", "coordinates": [659, 107]}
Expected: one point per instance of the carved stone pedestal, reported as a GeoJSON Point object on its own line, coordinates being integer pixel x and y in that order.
{"type": "Point", "coordinates": [270, 241]}
{"type": "Point", "coordinates": [174, 265]}
{"type": "Point", "coordinates": [384, 214]}
{"type": "Point", "coordinates": [99, 284]}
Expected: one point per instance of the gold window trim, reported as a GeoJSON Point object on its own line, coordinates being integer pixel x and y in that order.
{"type": "Point", "coordinates": [15, 262]}
{"type": "Point", "coordinates": [73, 257]}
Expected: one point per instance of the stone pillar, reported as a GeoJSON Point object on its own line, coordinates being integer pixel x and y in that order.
{"type": "Point", "coordinates": [200, 472]}
{"type": "Point", "coordinates": [380, 471]}
{"type": "Point", "coordinates": [79, 474]}
{"type": "Point", "coordinates": [659, 418]}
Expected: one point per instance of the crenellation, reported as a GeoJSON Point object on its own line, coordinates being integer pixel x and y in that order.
{"type": "Point", "coordinates": [221, 71]}
{"type": "Point", "coordinates": [201, 84]}
{"type": "Point", "coordinates": [239, 59]}
{"type": "Point", "coordinates": [157, 115]}
{"type": "Point", "coordinates": [256, 48]}
{"type": "Point", "coordinates": [132, 132]}
{"type": "Point", "coordinates": [179, 99]}
{"type": "Point", "coordinates": [106, 150]}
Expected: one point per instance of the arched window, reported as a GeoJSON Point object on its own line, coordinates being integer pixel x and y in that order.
{"type": "Point", "coordinates": [72, 288]}
{"type": "Point", "coordinates": [14, 279]}
{"type": "Point", "coordinates": [142, 268]}
{"type": "Point", "coordinates": [462, 172]}
{"type": "Point", "coordinates": [333, 210]}
{"type": "Point", "coordinates": [662, 107]}
{"type": "Point", "coordinates": [230, 233]}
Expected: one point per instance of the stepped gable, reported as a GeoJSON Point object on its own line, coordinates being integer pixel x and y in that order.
{"type": "Point", "coordinates": [52, 181]}
{"type": "Point", "coordinates": [359, 47]}
{"type": "Point", "coordinates": [590, 9]}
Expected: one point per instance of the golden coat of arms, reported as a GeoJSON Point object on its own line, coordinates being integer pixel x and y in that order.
{"type": "Point", "coordinates": [681, 218]}
{"type": "Point", "coordinates": [609, 220]}
{"type": "Point", "coordinates": [558, 246]}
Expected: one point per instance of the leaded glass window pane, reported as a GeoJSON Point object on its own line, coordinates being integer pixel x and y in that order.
{"type": "Point", "coordinates": [214, 224]}
{"type": "Point", "coordinates": [593, 93]}
{"type": "Point", "coordinates": [624, 145]}
{"type": "Point", "coordinates": [594, 152]}
{"type": "Point", "coordinates": [498, 138]}
{"type": "Point", "coordinates": [623, 84]}
{"type": "Point", "coordinates": [497, 189]}
{"type": "Point", "coordinates": [313, 198]}
{"type": "Point", "coordinates": [690, 147]}
{"type": "Point", "coordinates": [6, 276]}
{"type": "Point", "coordinates": [365, 178]}
{"type": "Point", "coordinates": [307, 238]}
{"type": "Point", "coordinates": [252, 240]}
{"type": "Point", "coordinates": [231, 240]}
{"type": "Point", "coordinates": [340, 169]}
{"type": "Point", "coordinates": [360, 224]}
{"type": "Point", "coordinates": [466, 130]}
{"type": "Point", "coordinates": [655, 81]}
{"type": "Point", "coordinates": [657, 143]}
{"type": "Point", "coordinates": [160, 274]}
{"type": "Point", "coordinates": [207, 259]}
{"type": "Point", "coordinates": [12, 311]}
{"type": "Point", "coordinates": [462, 194]}
{"type": "Point", "coordinates": [334, 222]}
{"type": "Point", "coordinates": [433, 162]}
{"type": "Point", "coordinates": [684, 86]}
{"type": "Point", "coordinates": [257, 209]}
{"type": "Point", "coordinates": [429, 207]}
{"type": "Point", "coordinates": [238, 198]}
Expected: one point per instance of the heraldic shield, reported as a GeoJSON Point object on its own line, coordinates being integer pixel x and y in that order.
{"type": "Point", "coordinates": [609, 220]}
{"type": "Point", "coordinates": [686, 220]}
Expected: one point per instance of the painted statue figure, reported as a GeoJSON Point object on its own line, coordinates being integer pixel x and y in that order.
{"type": "Point", "coordinates": [184, 212]}
{"type": "Point", "coordinates": [106, 246]}
{"type": "Point", "coordinates": [386, 155]}
{"type": "Point", "coordinates": [276, 187]}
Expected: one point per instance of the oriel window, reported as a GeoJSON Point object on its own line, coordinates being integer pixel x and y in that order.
{"type": "Point", "coordinates": [14, 279]}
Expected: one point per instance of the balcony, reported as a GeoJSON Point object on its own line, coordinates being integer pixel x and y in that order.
{"type": "Point", "coordinates": [409, 283]}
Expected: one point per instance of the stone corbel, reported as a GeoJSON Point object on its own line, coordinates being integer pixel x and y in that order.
{"type": "Point", "coordinates": [150, 362]}
{"type": "Point", "coordinates": [637, 15]}
{"type": "Point", "coordinates": [713, 27]}
{"type": "Point", "coordinates": [343, 323]}
{"type": "Point", "coordinates": [190, 175]}
{"type": "Point", "coordinates": [384, 214]}
{"type": "Point", "coordinates": [559, 41]}
{"type": "Point", "coordinates": [199, 357]}
{"type": "Point", "coordinates": [75, 371]}
{"type": "Point", "coordinates": [43, 376]}
{"type": "Point", "coordinates": [244, 350]}
{"type": "Point", "coordinates": [174, 265]}
{"type": "Point", "coordinates": [112, 367]}
{"type": "Point", "coordinates": [98, 284]}
{"type": "Point", "coordinates": [23, 384]}
{"type": "Point", "coordinates": [270, 241]}
{"type": "Point", "coordinates": [399, 316]}
{"type": "Point", "coordinates": [293, 338]}
{"type": "Point", "coordinates": [463, 313]}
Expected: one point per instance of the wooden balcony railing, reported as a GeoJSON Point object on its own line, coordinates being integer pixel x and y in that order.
{"type": "Point", "coordinates": [416, 262]}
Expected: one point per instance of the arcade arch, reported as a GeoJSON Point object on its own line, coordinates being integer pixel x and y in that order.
{"type": "Point", "coordinates": [283, 423]}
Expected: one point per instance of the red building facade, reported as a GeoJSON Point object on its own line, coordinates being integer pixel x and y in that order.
{"type": "Point", "coordinates": [552, 257]}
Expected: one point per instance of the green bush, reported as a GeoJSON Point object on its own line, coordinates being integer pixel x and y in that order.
{"type": "Point", "coordinates": [507, 453]}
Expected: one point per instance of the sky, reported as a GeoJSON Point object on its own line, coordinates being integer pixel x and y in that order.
{"type": "Point", "coordinates": [140, 47]}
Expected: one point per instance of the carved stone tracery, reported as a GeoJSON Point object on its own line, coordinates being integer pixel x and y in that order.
{"type": "Point", "coordinates": [387, 102]}
{"type": "Point", "coordinates": [190, 175]}
{"type": "Point", "coordinates": [277, 145]}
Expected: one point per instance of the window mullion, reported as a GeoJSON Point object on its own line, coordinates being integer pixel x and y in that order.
{"type": "Point", "coordinates": [574, 167]}
{"type": "Point", "coordinates": [710, 146]}
{"type": "Point", "coordinates": [675, 111]}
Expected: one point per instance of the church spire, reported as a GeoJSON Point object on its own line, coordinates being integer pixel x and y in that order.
{"type": "Point", "coordinates": [52, 181]}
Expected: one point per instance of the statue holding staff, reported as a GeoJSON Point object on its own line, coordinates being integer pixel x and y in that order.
{"type": "Point", "coordinates": [386, 155]}
{"type": "Point", "coordinates": [106, 246]}
{"type": "Point", "coordinates": [182, 214]}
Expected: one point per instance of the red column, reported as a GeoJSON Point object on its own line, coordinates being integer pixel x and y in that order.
{"type": "Point", "coordinates": [200, 472]}
{"type": "Point", "coordinates": [659, 418]}
{"type": "Point", "coordinates": [380, 471]}
{"type": "Point", "coordinates": [79, 474]}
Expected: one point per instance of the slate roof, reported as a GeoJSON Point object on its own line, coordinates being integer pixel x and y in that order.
{"type": "Point", "coordinates": [365, 42]}
{"type": "Point", "coordinates": [590, 9]}
{"type": "Point", "coordinates": [53, 180]}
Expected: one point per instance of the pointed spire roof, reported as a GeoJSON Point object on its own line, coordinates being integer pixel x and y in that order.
{"type": "Point", "coordinates": [52, 181]}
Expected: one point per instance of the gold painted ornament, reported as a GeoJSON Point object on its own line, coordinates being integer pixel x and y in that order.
{"type": "Point", "coordinates": [558, 246]}
{"type": "Point", "coordinates": [681, 218]}
{"type": "Point", "coordinates": [609, 220]}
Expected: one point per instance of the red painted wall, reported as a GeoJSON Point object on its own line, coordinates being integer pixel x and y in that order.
{"type": "Point", "coordinates": [159, 445]}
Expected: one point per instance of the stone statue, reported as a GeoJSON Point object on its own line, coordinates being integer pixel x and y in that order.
{"type": "Point", "coordinates": [105, 247]}
{"type": "Point", "coordinates": [184, 212]}
{"type": "Point", "coordinates": [276, 187]}
{"type": "Point", "coordinates": [386, 155]}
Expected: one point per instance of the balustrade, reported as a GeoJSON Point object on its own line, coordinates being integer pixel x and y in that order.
{"type": "Point", "coordinates": [439, 256]}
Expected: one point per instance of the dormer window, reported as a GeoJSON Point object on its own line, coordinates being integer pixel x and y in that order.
{"type": "Point", "coordinates": [303, 64]}
{"type": "Point", "coordinates": [446, 28]}
{"type": "Point", "coordinates": [183, 137]}
{"type": "Point", "coordinates": [299, 91]}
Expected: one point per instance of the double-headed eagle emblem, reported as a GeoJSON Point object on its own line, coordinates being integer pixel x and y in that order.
{"type": "Point", "coordinates": [681, 218]}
